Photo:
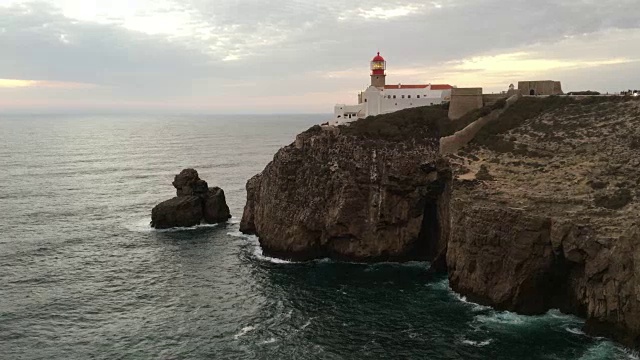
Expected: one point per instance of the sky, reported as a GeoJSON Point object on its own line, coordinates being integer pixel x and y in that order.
{"type": "Point", "coordinates": [299, 56]}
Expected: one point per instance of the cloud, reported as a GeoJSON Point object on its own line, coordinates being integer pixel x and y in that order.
{"type": "Point", "coordinates": [255, 53]}
{"type": "Point", "coordinates": [17, 83]}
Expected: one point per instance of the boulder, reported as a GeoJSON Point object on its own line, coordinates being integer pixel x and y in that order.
{"type": "Point", "coordinates": [181, 211]}
{"type": "Point", "coordinates": [195, 203]}
{"type": "Point", "coordinates": [186, 181]}
{"type": "Point", "coordinates": [215, 207]}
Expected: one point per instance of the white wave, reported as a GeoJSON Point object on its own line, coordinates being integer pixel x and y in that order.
{"type": "Point", "coordinates": [269, 341]}
{"type": "Point", "coordinates": [257, 250]}
{"type": "Point", "coordinates": [238, 233]}
{"type": "Point", "coordinates": [306, 324]}
{"type": "Point", "coordinates": [574, 330]}
{"type": "Point", "coordinates": [553, 316]}
{"type": "Point", "coordinates": [444, 285]}
{"type": "Point", "coordinates": [608, 350]}
{"type": "Point", "coordinates": [474, 306]}
{"type": "Point", "coordinates": [244, 331]}
{"type": "Point", "coordinates": [439, 285]}
{"type": "Point", "coordinates": [503, 317]}
{"type": "Point", "coordinates": [144, 225]}
{"type": "Point", "coordinates": [477, 343]}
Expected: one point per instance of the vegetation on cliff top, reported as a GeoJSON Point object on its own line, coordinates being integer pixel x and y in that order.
{"type": "Point", "coordinates": [414, 123]}
{"type": "Point", "coordinates": [529, 108]}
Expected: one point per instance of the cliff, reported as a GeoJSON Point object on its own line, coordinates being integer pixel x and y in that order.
{"type": "Point", "coordinates": [538, 209]}
{"type": "Point", "coordinates": [544, 212]}
{"type": "Point", "coordinates": [356, 192]}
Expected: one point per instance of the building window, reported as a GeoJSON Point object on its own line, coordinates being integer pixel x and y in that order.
{"type": "Point", "coordinates": [418, 96]}
{"type": "Point", "coordinates": [409, 96]}
{"type": "Point", "coordinates": [403, 96]}
{"type": "Point", "coordinates": [394, 98]}
{"type": "Point", "coordinates": [396, 104]}
{"type": "Point", "coordinates": [365, 100]}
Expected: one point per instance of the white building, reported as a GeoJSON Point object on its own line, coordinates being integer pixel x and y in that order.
{"type": "Point", "coordinates": [380, 98]}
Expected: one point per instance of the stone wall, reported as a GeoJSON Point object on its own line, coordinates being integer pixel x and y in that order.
{"type": "Point", "coordinates": [489, 99]}
{"type": "Point", "coordinates": [464, 100]}
{"type": "Point", "coordinates": [544, 87]}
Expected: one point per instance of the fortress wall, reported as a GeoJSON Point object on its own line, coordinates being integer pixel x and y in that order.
{"type": "Point", "coordinates": [464, 100]}
{"type": "Point", "coordinates": [557, 88]}
{"type": "Point", "coordinates": [489, 99]}
{"type": "Point", "coordinates": [544, 87]}
{"type": "Point", "coordinates": [452, 143]}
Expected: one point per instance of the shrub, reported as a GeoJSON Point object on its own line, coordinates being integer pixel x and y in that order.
{"type": "Point", "coordinates": [415, 123]}
{"type": "Point", "coordinates": [587, 92]}
{"type": "Point", "coordinates": [500, 104]}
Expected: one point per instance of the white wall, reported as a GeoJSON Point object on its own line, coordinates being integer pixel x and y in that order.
{"type": "Point", "coordinates": [376, 101]}
{"type": "Point", "coordinates": [343, 113]}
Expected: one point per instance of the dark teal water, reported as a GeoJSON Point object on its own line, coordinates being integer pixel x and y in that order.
{"type": "Point", "coordinates": [82, 276]}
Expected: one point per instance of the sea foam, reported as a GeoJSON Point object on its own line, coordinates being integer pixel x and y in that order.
{"type": "Point", "coordinates": [252, 240]}
{"type": "Point", "coordinates": [243, 332]}
{"type": "Point", "coordinates": [144, 226]}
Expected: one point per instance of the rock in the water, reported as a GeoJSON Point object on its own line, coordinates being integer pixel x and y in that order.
{"type": "Point", "coordinates": [186, 181]}
{"type": "Point", "coordinates": [195, 203]}
{"type": "Point", "coordinates": [215, 207]}
{"type": "Point", "coordinates": [181, 211]}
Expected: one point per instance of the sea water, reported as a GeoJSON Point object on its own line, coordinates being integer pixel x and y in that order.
{"type": "Point", "coordinates": [83, 276]}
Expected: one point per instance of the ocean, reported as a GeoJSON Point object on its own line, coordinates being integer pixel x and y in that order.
{"type": "Point", "coordinates": [83, 276]}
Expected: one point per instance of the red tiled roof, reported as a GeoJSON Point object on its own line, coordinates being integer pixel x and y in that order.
{"type": "Point", "coordinates": [433, 86]}
{"type": "Point", "coordinates": [441, 87]}
{"type": "Point", "coordinates": [405, 86]}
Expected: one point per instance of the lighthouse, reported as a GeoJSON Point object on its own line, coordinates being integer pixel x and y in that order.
{"type": "Point", "coordinates": [380, 98]}
{"type": "Point", "coordinates": [378, 66]}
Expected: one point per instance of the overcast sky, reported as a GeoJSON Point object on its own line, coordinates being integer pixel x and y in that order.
{"type": "Point", "coordinates": [265, 56]}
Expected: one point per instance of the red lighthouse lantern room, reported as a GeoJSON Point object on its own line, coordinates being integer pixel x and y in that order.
{"type": "Point", "coordinates": [378, 66]}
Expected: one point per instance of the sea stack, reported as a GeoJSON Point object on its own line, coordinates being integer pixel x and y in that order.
{"type": "Point", "coordinates": [195, 203]}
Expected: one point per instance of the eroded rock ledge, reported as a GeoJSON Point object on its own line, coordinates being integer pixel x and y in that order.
{"type": "Point", "coordinates": [538, 211]}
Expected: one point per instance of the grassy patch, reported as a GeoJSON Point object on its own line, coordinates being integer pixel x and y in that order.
{"type": "Point", "coordinates": [415, 123]}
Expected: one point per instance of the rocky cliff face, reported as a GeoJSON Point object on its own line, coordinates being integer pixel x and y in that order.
{"type": "Point", "coordinates": [539, 211]}
{"type": "Point", "coordinates": [351, 193]}
{"type": "Point", "coordinates": [544, 213]}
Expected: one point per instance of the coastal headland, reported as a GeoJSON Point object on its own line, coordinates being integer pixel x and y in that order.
{"type": "Point", "coordinates": [529, 204]}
